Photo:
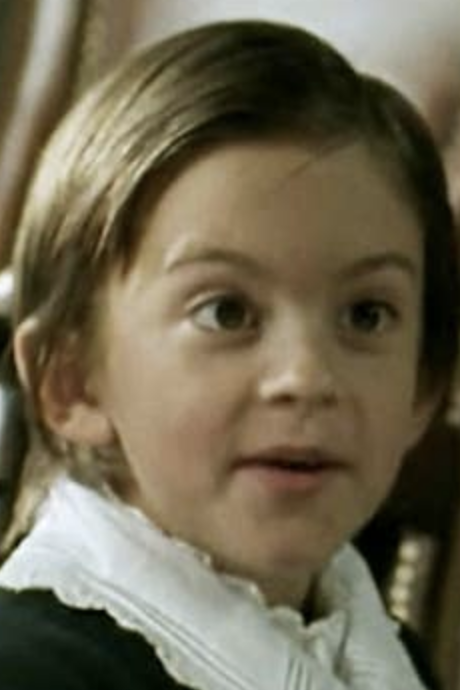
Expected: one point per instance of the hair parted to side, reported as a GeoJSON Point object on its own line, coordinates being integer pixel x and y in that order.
{"type": "Point", "coordinates": [154, 114]}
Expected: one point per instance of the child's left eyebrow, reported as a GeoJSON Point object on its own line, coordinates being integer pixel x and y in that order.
{"type": "Point", "coordinates": [391, 260]}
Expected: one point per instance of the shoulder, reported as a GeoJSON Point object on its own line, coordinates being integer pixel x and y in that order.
{"type": "Point", "coordinates": [45, 644]}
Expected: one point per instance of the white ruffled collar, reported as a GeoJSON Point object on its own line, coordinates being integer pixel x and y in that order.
{"type": "Point", "coordinates": [211, 631]}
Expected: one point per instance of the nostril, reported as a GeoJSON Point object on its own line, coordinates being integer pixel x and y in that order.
{"type": "Point", "coordinates": [295, 385]}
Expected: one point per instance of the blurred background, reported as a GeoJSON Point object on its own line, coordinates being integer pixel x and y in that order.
{"type": "Point", "coordinates": [51, 51]}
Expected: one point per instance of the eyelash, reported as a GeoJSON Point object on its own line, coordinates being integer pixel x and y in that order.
{"type": "Point", "coordinates": [383, 313]}
{"type": "Point", "coordinates": [247, 321]}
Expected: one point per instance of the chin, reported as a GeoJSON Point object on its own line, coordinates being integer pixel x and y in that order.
{"type": "Point", "coordinates": [284, 566]}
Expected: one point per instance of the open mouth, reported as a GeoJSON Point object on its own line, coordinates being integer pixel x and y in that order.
{"type": "Point", "coordinates": [293, 471]}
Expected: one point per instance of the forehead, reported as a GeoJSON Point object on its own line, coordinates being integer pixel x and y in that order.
{"type": "Point", "coordinates": [261, 197]}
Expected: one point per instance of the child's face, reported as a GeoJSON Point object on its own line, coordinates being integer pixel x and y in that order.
{"type": "Point", "coordinates": [260, 364]}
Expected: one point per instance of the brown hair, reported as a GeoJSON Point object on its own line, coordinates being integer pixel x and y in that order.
{"type": "Point", "coordinates": [155, 113]}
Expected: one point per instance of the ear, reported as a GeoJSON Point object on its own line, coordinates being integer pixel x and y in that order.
{"type": "Point", "coordinates": [67, 405]}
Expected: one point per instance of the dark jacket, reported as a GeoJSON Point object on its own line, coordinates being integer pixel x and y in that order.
{"type": "Point", "coordinates": [45, 645]}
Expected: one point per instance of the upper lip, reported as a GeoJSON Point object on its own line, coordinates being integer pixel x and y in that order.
{"type": "Point", "coordinates": [295, 455]}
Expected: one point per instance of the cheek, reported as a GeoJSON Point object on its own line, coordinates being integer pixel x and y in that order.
{"type": "Point", "coordinates": [391, 435]}
{"type": "Point", "coordinates": [387, 411]}
{"type": "Point", "coordinates": [168, 410]}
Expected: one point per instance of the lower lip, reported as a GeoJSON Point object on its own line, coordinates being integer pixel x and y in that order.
{"type": "Point", "coordinates": [286, 480]}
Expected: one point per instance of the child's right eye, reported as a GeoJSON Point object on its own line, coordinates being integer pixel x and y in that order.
{"type": "Point", "coordinates": [226, 312]}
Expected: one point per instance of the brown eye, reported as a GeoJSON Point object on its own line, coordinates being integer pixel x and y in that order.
{"type": "Point", "coordinates": [225, 313]}
{"type": "Point", "coordinates": [370, 316]}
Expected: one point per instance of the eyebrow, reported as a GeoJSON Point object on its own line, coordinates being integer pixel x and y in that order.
{"type": "Point", "coordinates": [381, 262]}
{"type": "Point", "coordinates": [188, 255]}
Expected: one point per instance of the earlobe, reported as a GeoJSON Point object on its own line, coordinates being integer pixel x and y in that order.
{"type": "Point", "coordinates": [67, 406]}
{"type": "Point", "coordinates": [83, 423]}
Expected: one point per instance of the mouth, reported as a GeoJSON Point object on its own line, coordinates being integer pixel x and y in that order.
{"type": "Point", "coordinates": [292, 468]}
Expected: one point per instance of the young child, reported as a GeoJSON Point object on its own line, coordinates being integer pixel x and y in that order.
{"type": "Point", "coordinates": [236, 298]}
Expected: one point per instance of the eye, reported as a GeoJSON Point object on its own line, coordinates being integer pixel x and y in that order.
{"type": "Point", "coordinates": [370, 316]}
{"type": "Point", "coordinates": [225, 313]}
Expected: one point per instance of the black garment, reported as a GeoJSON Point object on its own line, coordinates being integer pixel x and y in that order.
{"type": "Point", "coordinates": [417, 653]}
{"type": "Point", "coordinates": [45, 645]}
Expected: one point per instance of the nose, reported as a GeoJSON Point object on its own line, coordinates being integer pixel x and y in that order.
{"type": "Point", "coordinates": [300, 369]}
